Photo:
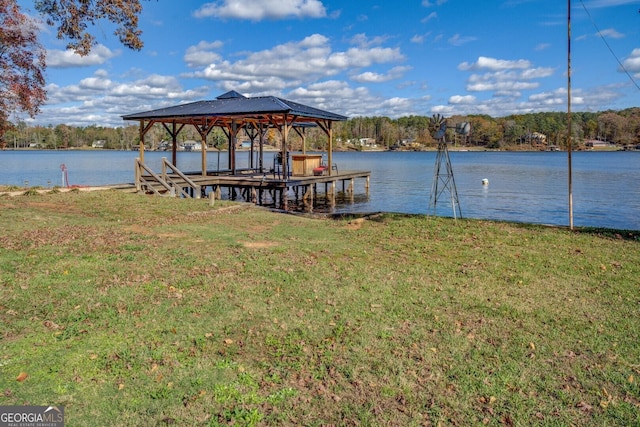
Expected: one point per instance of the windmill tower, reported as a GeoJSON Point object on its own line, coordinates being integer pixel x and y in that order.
{"type": "Point", "coordinates": [443, 180]}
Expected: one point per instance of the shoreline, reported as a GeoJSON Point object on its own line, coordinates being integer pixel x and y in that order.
{"type": "Point", "coordinates": [630, 234]}
{"type": "Point", "coordinates": [271, 149]}
{"type": "Point", "coordinates": [10, 191]}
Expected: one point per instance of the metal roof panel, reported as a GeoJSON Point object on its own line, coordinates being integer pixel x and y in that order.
{"type": "Point", "coordinates": [234, 104]}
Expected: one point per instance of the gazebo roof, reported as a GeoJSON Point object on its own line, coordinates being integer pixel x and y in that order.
{"type": "Point", "coordinates": [234, 105]}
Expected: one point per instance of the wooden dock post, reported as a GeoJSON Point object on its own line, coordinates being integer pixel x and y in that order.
{"type": "Point", "coordinates": [332, 193]}
{"type": "Point", "coordinates": [307, 199]}
{"type": "Point", "coordinates": [308, 195]}
{"type": "Point", "coordinates": [350, 190]}
{"type": "Point", "coordinates": [137, 175]}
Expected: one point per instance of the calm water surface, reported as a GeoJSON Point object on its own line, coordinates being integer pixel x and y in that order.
{"type": "Point", "coordinates": [523, 187]}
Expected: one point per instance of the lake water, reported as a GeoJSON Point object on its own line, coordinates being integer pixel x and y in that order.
{"type": "Point", "coordinates": [523, 187]}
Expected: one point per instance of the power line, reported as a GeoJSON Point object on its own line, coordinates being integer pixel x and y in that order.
{"type": "Point", "coordinates": [608, 46]}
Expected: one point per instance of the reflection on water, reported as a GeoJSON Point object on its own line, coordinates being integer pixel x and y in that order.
{"type": "Point", "coordinates": [523, 187]}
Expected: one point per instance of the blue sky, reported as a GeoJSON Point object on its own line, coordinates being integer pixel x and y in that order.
{"type": "Point", "coordinates": [357, 58]}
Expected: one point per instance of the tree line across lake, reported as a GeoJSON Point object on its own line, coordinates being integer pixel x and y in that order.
{"type": "Point", "coordinates": [522, 131]}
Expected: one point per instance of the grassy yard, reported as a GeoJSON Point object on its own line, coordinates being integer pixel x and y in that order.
{"type": "Point", "coordinates": [132, 310]}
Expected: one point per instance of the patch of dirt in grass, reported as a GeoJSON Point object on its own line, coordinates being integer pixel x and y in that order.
{"type": "Point", "coordinates": [136, 228]}
{"type": "Point", "coordinates": [259, 245]}
{"type": "Point", "coordinates": [355, 224]}
{"type": "Point", "coordinates": [221, 210]}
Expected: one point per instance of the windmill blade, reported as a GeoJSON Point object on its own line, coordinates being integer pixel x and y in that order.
{"type": "Point", "coordinates": [463, 128]}
{"type": "Point", "coordinates": [436, 120]}
{"type": "Point", "coordinates": [437, 126]}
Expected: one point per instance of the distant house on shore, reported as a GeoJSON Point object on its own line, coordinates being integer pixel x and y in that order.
{"type": "Point", "coordinates": [536, 139]}
{"type": "Point", "coordinates": [192, 146]}
{"type": "Point", "coordinates": [368, 142]}
{"type": "Point", "coordinates": [595, 144]}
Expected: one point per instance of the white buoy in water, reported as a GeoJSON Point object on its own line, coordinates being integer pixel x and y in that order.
{"type": "Point", "coordinates": [485, 181]}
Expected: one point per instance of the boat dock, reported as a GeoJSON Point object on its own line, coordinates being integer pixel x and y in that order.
{"type": "Point", "coordinates": [265, 189]}
{"type": "Point", "coordinates": [294, 176]}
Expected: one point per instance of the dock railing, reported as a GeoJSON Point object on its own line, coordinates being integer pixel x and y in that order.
{"type": "Point", "coordinates": [195, 188]}
{"type": "Point", "coordinates": [165, 183]}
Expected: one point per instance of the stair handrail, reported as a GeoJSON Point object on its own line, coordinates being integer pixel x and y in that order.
{"type": "Point", "coordinates": [140, 179]}
{"type": "Point", "coordinates": [172, 187]}
{"type": "Point", "coordinates": [168, 165]}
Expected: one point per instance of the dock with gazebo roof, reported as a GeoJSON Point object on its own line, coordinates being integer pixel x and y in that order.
{"type": "Point", "coordinates": [260, 183]}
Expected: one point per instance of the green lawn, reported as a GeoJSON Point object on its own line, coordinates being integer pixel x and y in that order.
{"type": "Point", "coordinates": [134, 310]}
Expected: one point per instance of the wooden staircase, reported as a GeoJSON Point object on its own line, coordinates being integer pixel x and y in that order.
{"type": "Point", "coordinates": [171, 182]}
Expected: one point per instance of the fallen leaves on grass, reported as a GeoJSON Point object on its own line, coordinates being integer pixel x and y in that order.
{"type": "Point", "coordinates": [51, 325]}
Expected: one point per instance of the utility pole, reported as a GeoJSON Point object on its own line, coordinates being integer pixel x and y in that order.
{"type": "Point", "coordinates": [569, 147]}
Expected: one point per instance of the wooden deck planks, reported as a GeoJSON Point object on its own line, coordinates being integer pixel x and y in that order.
{"type": "Point", "coordinates": [253, 186]}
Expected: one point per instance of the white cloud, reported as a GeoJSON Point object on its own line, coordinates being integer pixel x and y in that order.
{"type": "Point", "coordinates": [202, 54]}
{"type": "Point", "coordinates": [508, 82]}
{"type": "Point", "coordinates": [296, 63]}
{"type": "Point", "coordinates": [257, 10]}
{"type": "Point", "coordinates": [445, 110]}
{"type": "Point", "coordinates": [101, 100]}
{"type": "Point", "coordinates": [95, 83]}
{"type": "Point", "coordinates": [502, 86]}
{"type": "Point", "coordinates": [536, 73]}
{"type": "Point", "coordinates": [428, 3]}
{"type": "Point", "coordinates": [429, 17]}
{"type": "Point", "coordinates": [361, 40]}
{"type": "Point", "coordinates": [462, 99]}
{"type": "Point", "coordinates": [372, 77]}
{"type": "Point", "coordinates": [595, 4]}
{"type": "Point", "coordinates": [334, 95]}
{"type": "Point", "coordinates": [356, 57]}
{"type": "Point", "coordinates": [550, 100]}
{"type": "Point", "coordinates": [632, 63]}
{"type": "Point", "coordinates": [611, 33]}
{"type": "Point", "coordinates": [505, 78]}
{"type": "Point", "coordinates": [68, 58]}
{"type": "Point", "coordinates": [458, 40]}
{"type": "Point", "coordinates": [397, 102]}
{"type": "Point", "coordinates": [484, 62]}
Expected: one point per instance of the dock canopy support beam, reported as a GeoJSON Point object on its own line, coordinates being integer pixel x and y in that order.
{"type": "Point", "coordinates": [143, 131]}
{"type": "Point", "coordinates": [233, 141]}
{"type": "Point", "coordinates": [326, 126]}
{"type": "Point", "coordinates": [174, 131]}
{"type": "Point", "coordinates": [303, 135]}
{"type": "Point", "coordinates": [252, 132]}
